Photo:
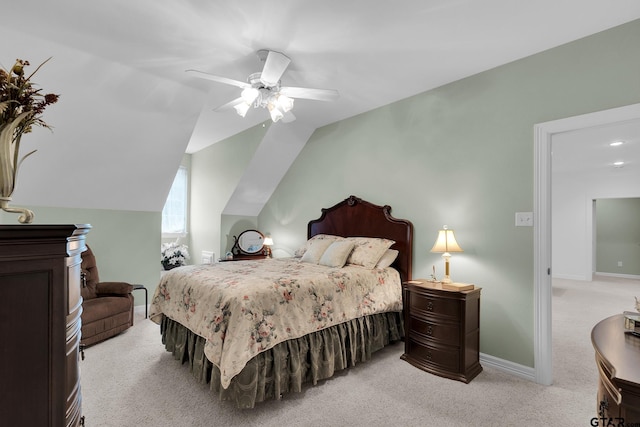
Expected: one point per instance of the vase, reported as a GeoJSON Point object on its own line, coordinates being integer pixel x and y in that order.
{"type": "Point", "coordinates": [168, 266]}
{"type": "Point", "coordinates": [9, 163]}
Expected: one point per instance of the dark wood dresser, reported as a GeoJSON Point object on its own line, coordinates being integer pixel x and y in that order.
{"type": "Point", "coordinates": [442, 330]}
{"type": "Point", "coordinates": [40, 307]}
{"type": "Point", "coordinates": [245, 258]}
{"type": "Point", "coordinates": [618, 362]}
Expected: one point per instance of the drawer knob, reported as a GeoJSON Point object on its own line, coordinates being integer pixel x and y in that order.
{"type": "Point", "coordinates": [428, 356]}
{"type": "Point", "coordinates": [429, 330]}
{"type": "Point", "coordinates": [604, 406]}
{"type": "Point", "coordinates": [430, 306]}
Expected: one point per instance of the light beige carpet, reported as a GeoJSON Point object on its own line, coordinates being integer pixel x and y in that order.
{"type": "Point", "coordinates": [131, 381]}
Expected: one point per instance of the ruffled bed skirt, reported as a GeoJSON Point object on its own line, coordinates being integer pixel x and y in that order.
{"type": "Point", "coordinates": [290, 364]}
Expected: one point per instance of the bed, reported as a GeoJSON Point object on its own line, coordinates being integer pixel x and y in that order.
{"type": "Point", "coordinates": [256, 330]}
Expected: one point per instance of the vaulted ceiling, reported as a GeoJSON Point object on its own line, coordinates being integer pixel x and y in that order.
{"type": "Point", "coordinates": [128, 111]}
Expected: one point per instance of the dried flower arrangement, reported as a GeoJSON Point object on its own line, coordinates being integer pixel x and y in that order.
{"type": "Point", "coordinates": [21, 107]}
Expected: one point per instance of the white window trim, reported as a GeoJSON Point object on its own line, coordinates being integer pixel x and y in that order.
{"type": "Point", "coordinates": [173, 235]}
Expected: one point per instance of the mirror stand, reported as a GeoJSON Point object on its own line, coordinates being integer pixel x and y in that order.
{"type": "Point", "coordinates": [249, 245]}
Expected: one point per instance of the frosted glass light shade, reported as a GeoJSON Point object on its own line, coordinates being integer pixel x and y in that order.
{"type": "Point", "coordinates": [242, 109]}
{"type": "Point", "coordinates": [250, 94]}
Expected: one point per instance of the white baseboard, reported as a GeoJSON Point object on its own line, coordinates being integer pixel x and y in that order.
{"type": "Point", "coordinates": [516, 369]}
{"type": "Point", "coordinates": [623, 276]}
{"type": "Point", "coordinates": [571, 277]}
{"type": "Point", "coordinates": [597, 273]}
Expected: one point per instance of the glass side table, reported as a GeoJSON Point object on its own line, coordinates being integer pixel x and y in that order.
{"type": "Point", "coordinates": [146, 298]}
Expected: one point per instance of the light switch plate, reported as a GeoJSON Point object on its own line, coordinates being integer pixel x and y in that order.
{"type": "Point", "coordinates": [524, 219]}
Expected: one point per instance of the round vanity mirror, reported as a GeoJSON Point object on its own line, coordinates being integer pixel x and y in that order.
{"type": "Point", "coordinates": [250, 242]}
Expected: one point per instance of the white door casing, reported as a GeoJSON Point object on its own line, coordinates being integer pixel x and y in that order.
{"type": "Point", "coordinates": [543, 136]}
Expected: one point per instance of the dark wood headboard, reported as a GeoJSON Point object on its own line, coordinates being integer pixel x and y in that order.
{"type": "Point", "coordinates": [354, 217]}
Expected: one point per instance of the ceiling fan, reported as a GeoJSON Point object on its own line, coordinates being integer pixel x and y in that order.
{"type": "Point", "coordinates": [263, 89]}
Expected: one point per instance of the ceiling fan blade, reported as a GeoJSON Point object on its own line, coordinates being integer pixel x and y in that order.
{"type": "Point", "coordinates": [274, 66]}
{"type": "Point", "coordinates": [229, 105]}
{"type": "Point", "coordinates": [225, 80]}
{"type": "Point", "coordinates": [309, 93]}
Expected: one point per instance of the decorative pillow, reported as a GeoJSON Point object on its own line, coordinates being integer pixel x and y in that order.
{"type": "Point", "coordinates": [315, 249]}
{"type": "Point", "coordinates": [368, 250]}
{"type": "Point", "coordinates": [302, 249]}
{"type": "Point", "coordinates": [387, 259]}
{"type": "Point", "coordinates": [337, 253]}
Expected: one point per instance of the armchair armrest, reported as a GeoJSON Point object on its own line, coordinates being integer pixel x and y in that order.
{"type": "Point", "coordinates": [113, 288]}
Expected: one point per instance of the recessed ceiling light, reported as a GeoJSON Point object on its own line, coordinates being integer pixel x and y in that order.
{"type": "Point", "coordinates": [616, 143]}
{"type": "Point", "coordinates": [618, 164]}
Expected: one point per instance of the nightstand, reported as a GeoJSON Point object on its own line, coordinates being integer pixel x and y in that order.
{"type": "Point", "coordinates": [442, 329]}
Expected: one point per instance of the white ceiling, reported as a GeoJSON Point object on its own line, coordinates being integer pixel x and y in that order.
{"type": "Point", "coordinates": [372, 52]}
{"type": "Point", "coordinates": [590, 149]}
{"type": "Point", "coordinates": [125, 62]}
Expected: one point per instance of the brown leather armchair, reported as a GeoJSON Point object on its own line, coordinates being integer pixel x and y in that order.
{"type": "Point", "coordinates": [107, 307]}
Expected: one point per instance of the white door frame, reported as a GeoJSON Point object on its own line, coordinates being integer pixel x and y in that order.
{"type": "Point", "coordinates": [543, 135]}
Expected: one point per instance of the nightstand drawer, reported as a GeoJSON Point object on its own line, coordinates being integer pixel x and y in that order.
{"type": "Point", "coordinates": [427, 306]}
{"type": "Point", "coordinates": [446, 358]}
{"type": "Point", "coordinates": [448, 334]}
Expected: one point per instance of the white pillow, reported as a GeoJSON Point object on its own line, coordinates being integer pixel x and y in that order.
{"type": "Point", "coordinates": [387, 259]}
{"type": "Point", "coordinates": [337, 253]}
{"type": "Point", "coordinates": [302, 249]}
{"type": "Point", "coordinates": [368, 250]}
{"type": "Point", "coordinates": [315, 249]}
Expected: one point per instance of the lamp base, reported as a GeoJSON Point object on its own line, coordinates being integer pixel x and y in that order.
{"type": "Point", "coordinates": [446, 278]}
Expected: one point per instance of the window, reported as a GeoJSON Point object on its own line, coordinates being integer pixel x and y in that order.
{"type": "Point", "coordinates": [174, 213]}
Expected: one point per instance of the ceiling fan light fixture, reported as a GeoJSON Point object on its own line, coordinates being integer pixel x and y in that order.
{"type": "Point", "coordinates": [275, 112]}
{"type": "Point", "coordinates": [284, 102]}
{"type": "Point", "coordinates": [242, 108]}
{"type": "Point", "coordinates": [263, 89]}
{"type": "Point", "coordinates": [250, 94]}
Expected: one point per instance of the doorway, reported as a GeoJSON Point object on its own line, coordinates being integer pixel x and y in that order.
{"type": "Point", "coordinates": [544, 134]}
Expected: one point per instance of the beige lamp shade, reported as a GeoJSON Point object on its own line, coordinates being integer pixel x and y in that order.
{"type": "Point", "coordinates": [446, 242]}
{"type": "Point", "coordinates": [268, 241]}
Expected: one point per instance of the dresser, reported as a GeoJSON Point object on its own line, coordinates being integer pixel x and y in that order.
{"type": "Point", "coordinates": [40, 307]}
{"type": "Point", "coordinates": [618, 362]}
{"type": "Point", "coordinates": [241, 257]}
{"type": "Point", "coordinates": [442, 330]}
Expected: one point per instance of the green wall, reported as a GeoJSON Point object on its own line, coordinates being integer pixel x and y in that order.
{"type": "Point", "coordinates": [126, 243]}
{"type": "Point", "coordinates": [618, 236]}
{"type": "Point", "coordinates": [462, 155]}
{"type": "Point", "coordinates": [215, 173]}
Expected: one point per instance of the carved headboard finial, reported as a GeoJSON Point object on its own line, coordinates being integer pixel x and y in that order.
{"type": "Point", "coordinates": [352, 200]}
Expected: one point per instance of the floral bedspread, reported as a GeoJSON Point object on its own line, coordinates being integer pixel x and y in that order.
{"type": "Point", "coordinates": [245, 307]}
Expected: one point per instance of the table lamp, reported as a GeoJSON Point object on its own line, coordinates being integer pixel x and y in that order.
{"type": "Point", "coordinates": [446, 243]}
{"type": "Point", "coordinates": [268, 242]}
